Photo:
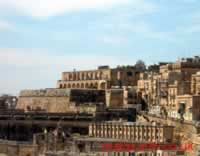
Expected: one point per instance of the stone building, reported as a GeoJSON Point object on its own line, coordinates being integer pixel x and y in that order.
{"type": "Point", "coordinates": [14, 148]}
{"type": "Point", "coordinates": [138, 132]}
{"type": "Point", "coordinates": [121, 97]}
{"type": "Point", "coordinates": [189, 105]}
{"type": "Point", "coordinates": [101, 78]}
{"type": "Point", "coordinates": [186, 67]}
{"type": "Point", "coordinates": [195, 86]}
{"type": "Point", "coordinates": [174, 79]}
{"type": "Point", "coordinates": [75, 100]}
{"type": "Point", "coordinates": [61, 100]}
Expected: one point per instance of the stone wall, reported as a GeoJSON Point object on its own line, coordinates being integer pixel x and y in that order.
{"type": "Point", "coordinates": [60, 100]}
{"type": "Point", "coordinates": [50, 100]}
{"type": "Point", "coordinates": [115, 98]}
{"type": "Point", "coordinates": [11, 148]}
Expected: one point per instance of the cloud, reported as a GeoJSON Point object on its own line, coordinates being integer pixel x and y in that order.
{"type": "Point", "coordinates": [48, 8]}
{"type": "Point", "coordinates": [41, 58]}
{"type": "Point", "coordinates": [38, 68]}
{"type": "Point", "coordinates": [5, 26]}
{"type": "Point", "coordinates": [138, 28]}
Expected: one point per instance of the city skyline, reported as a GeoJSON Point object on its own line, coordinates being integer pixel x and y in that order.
{"type": "Point", "coordinates": [38, 43]}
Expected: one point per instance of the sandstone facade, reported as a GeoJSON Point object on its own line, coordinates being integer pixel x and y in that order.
{"type": "Point", "coordinates": [102, 78]}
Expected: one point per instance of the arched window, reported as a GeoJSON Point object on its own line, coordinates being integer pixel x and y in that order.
{"type": "Point", "coordinates": [86, 85]}
{"type": "Point", "coordinates": [103, 85]}
{"type": "Point", "coordinates": [65, 86]}
{"type": "Point", "coordinates": [91, 85]}
{"type": "Point", "coordinates": [96, 85]}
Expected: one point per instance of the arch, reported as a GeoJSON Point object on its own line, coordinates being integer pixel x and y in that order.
{"type": "Point", "coordinates": [103, 85]}
{"type": "Point", "coordinates": [64, 86]}
{"type": "Point", "coordinates": [82, 85]}
{"type": "Point", "coordinates": [60, 86]}
{"type": "Point", "coordinates": [96, 85]}
{"type": "Point", "coordinates": [73, 85]}
{"type": "Point", "coordinates": [69, 85]}
{"type": "Point", "coordinates": [91, 85]}
{"type": "Point", "coordinates": [101, 75]}
{"type": "Point", "coordinates": [86, 85]}
{"type": "Point", "coordinates": [78, 76]}
{"type": "Point", "coordinates": [95, 75]}
{"type": "Point", "coordinates": [77, 85]}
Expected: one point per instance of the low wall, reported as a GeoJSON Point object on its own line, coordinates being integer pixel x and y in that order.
{"type": "Point", "coordinates": [12, 148]}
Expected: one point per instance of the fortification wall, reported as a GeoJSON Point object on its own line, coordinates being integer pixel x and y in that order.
{"type": "Point", "coordinates": [50, 100]}
{"type": "Point", "coordinates": [61, 100]}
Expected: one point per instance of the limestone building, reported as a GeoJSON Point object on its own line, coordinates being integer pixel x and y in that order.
{"type": "Point", "coordinates": [174, 81]}
{"type": "Point", "coordinates": [195, 85]}
{"type": "Point", "coordinates": [121, 97]}
{"type": "Point", "coordinates": [101, 78]}
{"type": "Point", "coordinates": [190, 106]}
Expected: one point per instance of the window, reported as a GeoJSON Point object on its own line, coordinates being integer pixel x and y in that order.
{"type": "Point", "coordinates": [129, 73]}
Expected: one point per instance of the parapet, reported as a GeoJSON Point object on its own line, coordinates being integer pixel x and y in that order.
{"type": "Point", "coordinates": [45, 93]}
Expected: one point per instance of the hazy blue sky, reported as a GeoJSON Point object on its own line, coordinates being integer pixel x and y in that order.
{"type": "Point", "coordinates": [41, 38]}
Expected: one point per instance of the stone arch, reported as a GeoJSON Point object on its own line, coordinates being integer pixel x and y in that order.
{"type": "Point", "coordinates": [78, 76]}
{"type": "Point", "coordinates": [69, 85]}
{"type": "Point", "coordinates": [73, 85]}
{"type": "Point", "coordinates": [96, 85]}
{"type": "Point", "coordinates": [60, 85]}
{"type": "Point", "coordinates": [95, 75]}
{"type": "Point", "coordinates": [91, 85]}
{"type": "Point", "coordinates": [77, 85]}
{"type": "Point", "coordinates": [86, 85]}
{"type": "Point", "coordinates": [103, 85]}
{"type": "Point", "coordinates": [64, 86]}
{"type": "Point", "coordinates": [82, 85]}
{"type": "Point", "coordinates": [101, 75]}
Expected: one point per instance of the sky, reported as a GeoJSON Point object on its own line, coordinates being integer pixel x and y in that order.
{"type": "Point", "coordinates": [39, 39]}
